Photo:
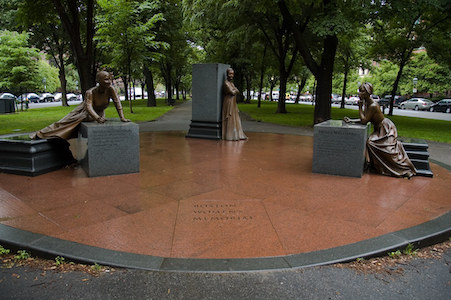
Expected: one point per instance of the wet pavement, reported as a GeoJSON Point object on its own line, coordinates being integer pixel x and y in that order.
{"type": "Point", "coordinates": [215, 206]}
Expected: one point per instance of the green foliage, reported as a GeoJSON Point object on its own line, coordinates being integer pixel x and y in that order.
{"type": "Point", "coordinates": [59, 260]}
{"type": "Point", "coordinates": [3, 250]}
{"type": "Point", "coordinates": [125, 34]}
{"type": "Point", "coordinates": [96, 267]}
{"type": "Point", "coordinates": [47, 79]}
{"type": "Point", "coordinates": [394, 254]}
{"type": "Point", "coordinates": [18, 63]}
{"type": "Point", "coordinates": [410, 250]}
{"type": "Point", "coordinates": [22, 255]}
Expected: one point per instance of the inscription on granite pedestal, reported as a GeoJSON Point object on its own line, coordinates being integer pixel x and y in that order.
{"type": "Point", "coordinates": [339, 148]}
{"type": "Point", "coordinates": [220, 212]}
{"type": "Point", "coordinates": [113, 148]}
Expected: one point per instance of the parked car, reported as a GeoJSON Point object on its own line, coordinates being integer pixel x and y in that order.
{"type": "Point", "coordinates": [386, 101]}
{"type": "Point", "coordinates": [416, 104]}
{"type": "Point", "coordinates": [352, 100]}
{"type": "Point", "coordinates": [72, 97]}
{"type": "Point", "coordinates": [47, 97]}
{"type": "Point", "coordinates": [31, 97]}
{"type": "Point", "coordinates": [443, 105]}
{"type": "Point", "coordinates": [334, 98]}
{"type": "Point", "coordinates": [69, 97]}
{"type": "Point", "coordinates": [7, 96]}
{"type": "Point", "coordinates": [375, 98]}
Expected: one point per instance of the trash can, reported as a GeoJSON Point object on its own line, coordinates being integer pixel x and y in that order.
{"type": "Point", "coordinates": [7, 106]}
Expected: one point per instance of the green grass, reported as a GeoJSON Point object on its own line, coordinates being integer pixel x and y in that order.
{"type": "Point", "coordinates": [37, 118]}
{"type": "Point", "coordinates": [302, 115]}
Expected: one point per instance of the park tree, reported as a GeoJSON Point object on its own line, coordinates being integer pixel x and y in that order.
{"type": "Point", "coordinates": [47, 35]}
{"type": "Point", "coordinates": [124, 37]}
{"type": "Point", "coordinates": [47, 79]}
{"type": "Point", "coordinates": [18, 63]}
{"type": "Point", "coordinates": [352, 53]}
{"type": "Point", "coordinates": [316, 26]}
{"type": "Point", "coordinates": [174, 55]}
{"type": "Point", "coordinates": [77, 19]}
{"type": "Point", "coordinates": [431, 77]}
{"type": "Point", "coordinates": [400, 27]}
{"type": "Point", "coordinates": [244, 33]}
{"type": "Point", "coordinates": [8, 13]}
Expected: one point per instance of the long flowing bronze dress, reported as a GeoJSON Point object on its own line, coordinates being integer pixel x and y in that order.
{"type": "Point", "coordinates": [231, 122]}
{"type": "Point", "coordinates": [67, 127]}
{"type": "Point", "coordinates": [386, 153]}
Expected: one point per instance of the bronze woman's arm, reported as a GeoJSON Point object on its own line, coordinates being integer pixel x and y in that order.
{"type": "Point", "coordinates": [118, 105]}
{"type": "Point", "coordinates": [90, 108]}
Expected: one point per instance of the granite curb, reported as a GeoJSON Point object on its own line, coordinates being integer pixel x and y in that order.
{"type": "Point", "coordinates": [422, 235]}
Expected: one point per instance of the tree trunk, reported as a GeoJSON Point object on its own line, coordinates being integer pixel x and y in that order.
{"type": "Point", "coordinates": [281, 109]}
{"type": "Point", "coordinates": [405, 56]}
{"type": "Point", "coordinates": [63, 81]}
{"type": "Point", "coordinates": [151, 99]}
{"type": "Point", "coordinates": [262, 75]}
{"type": "Point", "coordinates": [345, 82]}
{"type": "Point", "coordinates": [83, 55]}
{"type": "Point", "coordinates": [323, 71]}
{"type": "Point", "coordinates": [248, 88]}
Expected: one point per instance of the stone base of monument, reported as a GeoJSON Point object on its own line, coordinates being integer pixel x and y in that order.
{"type": "Point", "coordinates": [205, 130]}
{"type": "Point", "coordinates": [339, 148]}
{"type": "Point", "coordinates": [417, 151]}
{"type": "Point", "coordinates": [23, 156]}
{"type": "Point", "coordinates": [112, 148]}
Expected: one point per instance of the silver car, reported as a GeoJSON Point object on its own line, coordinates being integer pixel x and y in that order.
{"type": "Point", "coordinates": [416, 104]}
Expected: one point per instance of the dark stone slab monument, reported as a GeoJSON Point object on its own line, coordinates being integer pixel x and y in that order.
{"type": "Point", "coordinates": [207, 101]}
{"type": "Point", "coordinates": [112, 148]}
{"type": "Point", "coordinates": [23, 156]}
{"type": "Point", "coordinates": [339, 148]}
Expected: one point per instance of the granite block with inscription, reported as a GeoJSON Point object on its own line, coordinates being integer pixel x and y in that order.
{"type": "Point", "coordinates": [207, 100]}
{"type": "Point", "coordinates": [112, 148]}
{"type": "Point", "coordinates": [339, 148]}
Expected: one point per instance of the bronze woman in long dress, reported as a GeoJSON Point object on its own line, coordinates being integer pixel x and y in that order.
{"type": "Point", "coordinates": [91, 109]}
{"type": "Point", "coordinates": [231, 122]}
{"type": "Point", "coordinates": [385, 153]}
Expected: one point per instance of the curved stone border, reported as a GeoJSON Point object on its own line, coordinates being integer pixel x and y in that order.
{"type": "Point", "coordinates": [422, 235]}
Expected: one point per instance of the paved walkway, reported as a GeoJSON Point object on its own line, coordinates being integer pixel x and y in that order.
{"type": "Point", "coordinates": [207, 205]}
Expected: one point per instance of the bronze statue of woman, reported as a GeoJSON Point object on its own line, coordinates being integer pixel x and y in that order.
{"type": "Point", "coordinates": [231, 122]}
{"type": "Point", "coordinates": [91, 109]}
{"type": "Point", "coordinates": [384, 152]}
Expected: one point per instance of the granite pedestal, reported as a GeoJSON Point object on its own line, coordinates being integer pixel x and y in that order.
{"type": "Point", "coordinates": [207, 101]}
{"type": "Point", "coordinates": [339, 148]}
{"type": "Point", "coordinates": [112, 148]}
{"type": "Point", "coordinates": [23, 156]}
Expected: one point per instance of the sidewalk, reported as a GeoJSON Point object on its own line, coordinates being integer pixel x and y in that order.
{"type": "Point", "coordinates": [205, 205]}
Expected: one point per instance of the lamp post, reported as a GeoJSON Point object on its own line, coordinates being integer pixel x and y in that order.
{"type": "Point", "coordinates": [271, 82]}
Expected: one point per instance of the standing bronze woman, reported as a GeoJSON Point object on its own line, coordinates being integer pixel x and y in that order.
{"type": "Point", "coordinates": [231, 122]}
{"type": "Point", "coordinates": [385, 153]}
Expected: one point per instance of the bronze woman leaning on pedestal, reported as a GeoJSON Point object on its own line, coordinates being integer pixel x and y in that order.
{"type": "Point", "coordinates": [91, 109]}
{"type": "Point", "coordinates": [384, 152]}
